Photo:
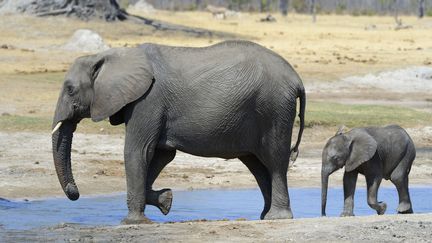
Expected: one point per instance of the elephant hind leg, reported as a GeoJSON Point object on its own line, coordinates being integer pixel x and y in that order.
{"type": "Point", "coordinates": [161, 199]}
{"type": "Point", "coordinates": [404, 197]}
{"type": "Point", "coordinates": [280, 207]}
{"type": "Point", "coordinates": [399, 177]}
{"type": "Point", "coordinates": [274, 153]}
{"type": "Point", "coordinates": [401, 183]}
{"type": "Point", "coordinates": [279, 198]}
{"type": "Point", "coordinates": [260, 172]}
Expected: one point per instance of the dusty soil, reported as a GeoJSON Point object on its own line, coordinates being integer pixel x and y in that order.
{"type": "Point", "coordinates": [387, 228]}
{"type": "Point", "coordinates": [98, 166]}
{"type": "Point", "coordinates": [323, 53]}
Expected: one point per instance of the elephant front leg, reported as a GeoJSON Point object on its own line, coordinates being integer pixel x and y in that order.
{"type": "Point", "coordinates": [161, 199]}
{"type": "Point", "coordinates": [373, 182]}
{"type": "Point", "coordinates": [349, 180]}
{"type": "Point", "coordinates": [136, 175]}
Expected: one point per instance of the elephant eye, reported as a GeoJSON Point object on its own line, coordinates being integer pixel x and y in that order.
{"type": "Point", "coordinates": [70, 89]}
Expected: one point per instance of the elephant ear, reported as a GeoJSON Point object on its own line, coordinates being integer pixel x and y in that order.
{"type": "Point", "coordinates": [121, 76]}
{"type": "Point", "coordinates": [362, 148]}
{"type": "Point", "coordinates": [340, 130]}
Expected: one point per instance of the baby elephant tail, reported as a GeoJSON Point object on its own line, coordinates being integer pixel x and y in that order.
{"type": "Point", "coordinates": [294, 149]}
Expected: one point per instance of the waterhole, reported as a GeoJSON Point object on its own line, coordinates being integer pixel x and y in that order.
{"type": "Point", "coordinates": [194, 205]}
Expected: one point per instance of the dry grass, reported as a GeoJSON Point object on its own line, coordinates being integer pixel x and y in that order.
{"type": "Point", "coordinates": [335, 46]}
{"type": "Point", "coordinates": [32, 65]}
{"type": "Point", "coordinates": [27, 103]}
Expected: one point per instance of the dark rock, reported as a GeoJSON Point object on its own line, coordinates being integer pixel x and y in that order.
{"type": "Point", "coordinates": [268, 18]}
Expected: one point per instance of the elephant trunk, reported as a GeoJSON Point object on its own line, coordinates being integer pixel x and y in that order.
{"type": "Point", "coordinates": [61, 146]}
{"type": "Point", "coordinates": [324, 187]}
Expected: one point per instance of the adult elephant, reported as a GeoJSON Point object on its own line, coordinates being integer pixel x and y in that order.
{"type": "Point", "coordinates": [235, 99]}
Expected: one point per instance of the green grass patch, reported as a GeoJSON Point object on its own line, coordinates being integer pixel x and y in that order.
{"type": "Point", "coordinates": [24, 123]}
{"type": "Point", "coordinates": [42, 124]}
{"type": "Point", "coordinates": [317, 113]}
{"type": "Point", "coordinates": [43, 77]}
{"type": "Point", "coordinates": [333, 114]}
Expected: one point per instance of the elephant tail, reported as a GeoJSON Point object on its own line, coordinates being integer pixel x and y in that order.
{"type": "Point", "coordinates": [302, 98]}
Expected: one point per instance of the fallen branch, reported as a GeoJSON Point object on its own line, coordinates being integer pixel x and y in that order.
{"type": "Point", "coordinates": [158, 25]}
{"type": "Point", "coordinates": [55, 12]}
{"type": "Point", "coordinates": [107, 10]}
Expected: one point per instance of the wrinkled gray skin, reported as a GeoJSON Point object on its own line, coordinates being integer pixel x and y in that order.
{"type": "Point", "coordinates": [235, 99]}
{"type": "Point", "coordinates": [375, 152]}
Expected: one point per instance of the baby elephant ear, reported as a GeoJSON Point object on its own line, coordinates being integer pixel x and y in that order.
{"type": "Point", "coordinates": [121, 76]}
{"type": "Point", "coordinates": [363, 147]}
{"type": "Point", "coordinates": [340, 130]}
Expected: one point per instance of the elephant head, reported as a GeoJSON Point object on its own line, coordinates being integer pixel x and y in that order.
{"type": "Point", "coordinates": [96, 86]}
{"type": "Point", "coordinates": [349, 149]}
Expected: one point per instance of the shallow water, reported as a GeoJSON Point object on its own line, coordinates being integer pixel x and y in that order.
{"type": "Point", "coordinates": [191, 205]}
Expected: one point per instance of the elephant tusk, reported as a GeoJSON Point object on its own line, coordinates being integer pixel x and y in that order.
{"type": "Point", "coordinates": [56, 127]}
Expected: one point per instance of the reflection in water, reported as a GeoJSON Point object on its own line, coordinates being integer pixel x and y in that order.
{"type": "Point", "coordinates": [190, 205]}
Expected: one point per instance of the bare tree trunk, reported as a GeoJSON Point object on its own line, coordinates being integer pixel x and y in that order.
{"type": "Point", "coordinates": [421, 8]}
{"type": "Point", "coordinates": [283, 6]}
{"type": "Point", "coordinates": [313, 11]}
{"type": "Point", "coordinates": [396, 13]}
{"type": "Point", "coordinates": [108, 10]}
{"type": "Point", "coordinates": [198, 4]}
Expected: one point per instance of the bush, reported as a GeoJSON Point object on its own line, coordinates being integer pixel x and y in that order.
{"type": "Point", "coordinates": [340, 8]}
{"type": "Point", "coordinates": [300, 6]}
{"type": "Point", "coordinates": [368, 12]}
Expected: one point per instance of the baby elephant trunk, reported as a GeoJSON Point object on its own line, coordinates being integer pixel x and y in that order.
{"type": "Point", "coordinates": [324, 187]}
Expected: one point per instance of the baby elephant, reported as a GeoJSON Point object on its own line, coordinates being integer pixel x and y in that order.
{"type": "Point", "coordinates": [375, 152]}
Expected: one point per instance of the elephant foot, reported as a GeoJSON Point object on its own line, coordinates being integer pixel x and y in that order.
{"type": "Point", "coordinates": [165, 200]}
{"type": "Point", "coordinates": [136, 220]}
{"type": "Point", "coordinates": [264, 212]}
{"type": "Point", "coordinates": [347, 214]}
{"type": "Point", "coordinates": [161, 199]}
{"type": "Point", "coordinates": [278, 214]}
{"type": "Point", "coordinates": [404, 208]}
{"type": "Point", "coordinates": [382, 208]}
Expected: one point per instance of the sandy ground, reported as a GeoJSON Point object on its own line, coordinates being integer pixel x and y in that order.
{"type": "Point", "coordinates": [387, 228]}
{"type": "Point", "coordinates": [99, 168]}
{"type": "Point", "coordinates": [325, 54]}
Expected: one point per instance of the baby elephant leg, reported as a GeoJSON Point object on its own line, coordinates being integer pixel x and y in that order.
{"type": "Point", "coordinates": [404, 197]}
{"type": "Point", "coordinates": [399, 177]}
{"type": "Point", "coordinates": [401, 183]}
{"type": "Point", "coordinates": [373, 182]}
{"type": "Point", "coordinates": [349, 181]}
